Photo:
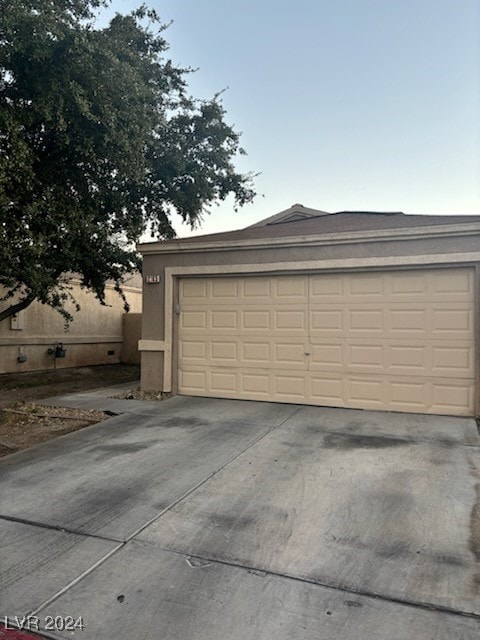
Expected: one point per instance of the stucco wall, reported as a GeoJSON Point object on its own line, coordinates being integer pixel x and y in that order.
{"type": "Point", "coordinates": [95, 335]}
{"type": "Point", "coordinates": [391, 250]}
{"type": "Point", "coordinates": [132, 332]}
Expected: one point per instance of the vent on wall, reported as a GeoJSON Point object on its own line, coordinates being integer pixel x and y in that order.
{"type": "Point", "coordinates": [17, 322]}
{"type": "Point", "coordinates": [111, 352]}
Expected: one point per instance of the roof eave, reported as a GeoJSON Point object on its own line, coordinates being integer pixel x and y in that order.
{"type": "Point", "coordinates": [349, 237]}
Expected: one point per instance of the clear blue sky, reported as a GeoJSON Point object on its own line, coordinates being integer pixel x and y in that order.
{"type": "Point", "coordinates": [343, 104]}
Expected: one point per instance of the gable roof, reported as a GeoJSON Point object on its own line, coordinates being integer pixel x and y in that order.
{"type": "Point", "coordinates": [342, 221]}
{"type": "Point", "coordinates": [291, 227]}
{"type": "Point", "coordinates": [295, 213]}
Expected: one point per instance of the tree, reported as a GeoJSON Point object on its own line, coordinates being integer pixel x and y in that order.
{"type": "Point", "coordinates": [99, 142]}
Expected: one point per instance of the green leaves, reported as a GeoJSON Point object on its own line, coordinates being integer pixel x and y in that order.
{"type": "Point", "coordinates": [99, 141]}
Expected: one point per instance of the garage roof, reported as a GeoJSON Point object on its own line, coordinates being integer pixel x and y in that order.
{"type": "Point", "coordinates": [302, 221]}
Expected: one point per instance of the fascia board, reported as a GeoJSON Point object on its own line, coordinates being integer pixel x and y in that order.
{"type": "Point", "coordinates": [351, 237]}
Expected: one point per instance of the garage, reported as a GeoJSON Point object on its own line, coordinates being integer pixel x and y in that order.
{"type": "Point", "coordinates": [364, 310]}
{"type": "Point", "coordinates": [399, 340]}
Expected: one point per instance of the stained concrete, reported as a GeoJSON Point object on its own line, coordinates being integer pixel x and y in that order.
{"type": "Point", "coordinates": [249, 520]}
{"type": "Point", "coordinates": [36, 563]}
{"type": "Point", "coordinates": [447, 430]}
{"type": "Point", "coordinates": [170, 597]}
{"type": "Point", "coordinates": [376, 513]}
{"type": "Point", "coordinates": [111, 478]}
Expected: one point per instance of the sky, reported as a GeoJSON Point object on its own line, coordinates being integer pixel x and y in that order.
{"type": "Point", "coordinates": [342, 104]}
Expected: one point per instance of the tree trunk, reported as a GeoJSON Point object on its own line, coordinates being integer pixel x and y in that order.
{"type": "Point", "coordinates": [15, 308]}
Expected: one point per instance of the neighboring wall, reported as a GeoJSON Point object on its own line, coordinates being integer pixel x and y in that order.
{"type": "Point", "coordinates": [95, 335]}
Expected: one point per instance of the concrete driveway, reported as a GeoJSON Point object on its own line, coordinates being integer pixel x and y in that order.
{"type": "Point", "coordinates": [201, 519]}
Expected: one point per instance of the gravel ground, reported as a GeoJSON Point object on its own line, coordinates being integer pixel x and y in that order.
{"type": "Point", "coordinates": [137, 394]}
{"type": "Point", "coordinates": [24, 423]}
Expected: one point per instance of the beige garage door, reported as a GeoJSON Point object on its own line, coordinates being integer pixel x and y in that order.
{"type": "Point", "coordinates": [400, 340]}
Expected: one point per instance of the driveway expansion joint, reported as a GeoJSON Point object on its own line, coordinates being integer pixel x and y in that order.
{"type": "Point", "coordinates": [211, 475]}
{"type": "Point", "coordinates": [75, 581]}
{"type": "Point", "coordinates": [206, 561]}
{"type": "Point", "coordinates": [55, 527]}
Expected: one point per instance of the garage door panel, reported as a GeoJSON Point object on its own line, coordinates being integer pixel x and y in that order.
{"type": "Point", "coordinates": [409, 286]}
{"type": "Point", "coordinates": [408, 320]}
{"type": "Point", "coordinates": [406, 358]}
{"type": "Point", "coordinates": [224, 352]}
{"type": "Point", "coordinates": [399, 358]}
{"type": "Point", "coordinates": [289, 387]}
{"type": "Point", "coordinates": [418, 395]}
{"type": "Point", "coordinates": [289, 354]}
{"type": "Point", "coordinates": [326, 289]}
{"type": "Point", "coordinates": [192, 351]}
{"type": "Point", "coordinates": [192, 382]}
{"type": "Point", "coordinates": [255, 289]}
{"type": "Point", "coordinates": [221, 320]}
{"type": "Point", "coordinates": [327, 356]}
{"type": "Point", "coordinates": [255, 320]}
{"type": "Point", "coordinates": [365, 356]}
{"type": "Point", "coordinates": [194, 320]}
{"type": "Point", "coordinates": [453, 359]}
{"type": "Point", "coordinates": [453, 322]}
{"type": "Point", "coordinates": [407, 394]}
{"type": "Point", "coordinates": [225, 290]}
{"type": "Point", "coordinates": [327, 390]}
{"type": "Point", "coordinates": [452, 284]}
{"type": "Point", "coordinates": [255, 352]}
{"type": "Point", "coordinates": [290, 289]}
{"type": "Point", "coordinates": [255, 385]}
{"type": "Point", "coordinates": [222, 381]}
{"type": "Point", "coordinates": [366, 320]}
{"type": "Point", "coordinates": [326, 322]}
{"type": "Point", "coordinates": [366, 391]}
{"type": "Point", "coordinates": [194, 290]}
{"type": "Point", "coordinates": [452, 396]}
{"type": "Point", "coordinates": [210, 382]}
{"type": "Point", "coordinates": [290, 321]}
{"type": "Point", "coordinates": [366, 286]}
{"type": "Point", "coordinates": [401, 340]}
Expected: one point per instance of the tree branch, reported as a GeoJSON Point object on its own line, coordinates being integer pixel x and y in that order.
{"type": "Point", "coordinates": [16, 308]}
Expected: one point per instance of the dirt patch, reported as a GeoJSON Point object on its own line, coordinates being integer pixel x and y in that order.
{"type": "Point", "coordinates": [27, 424]}
{"type": "Point", "coordinates": [23, 423]}
{"type": "Point", "coordinates": [16, 387]}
